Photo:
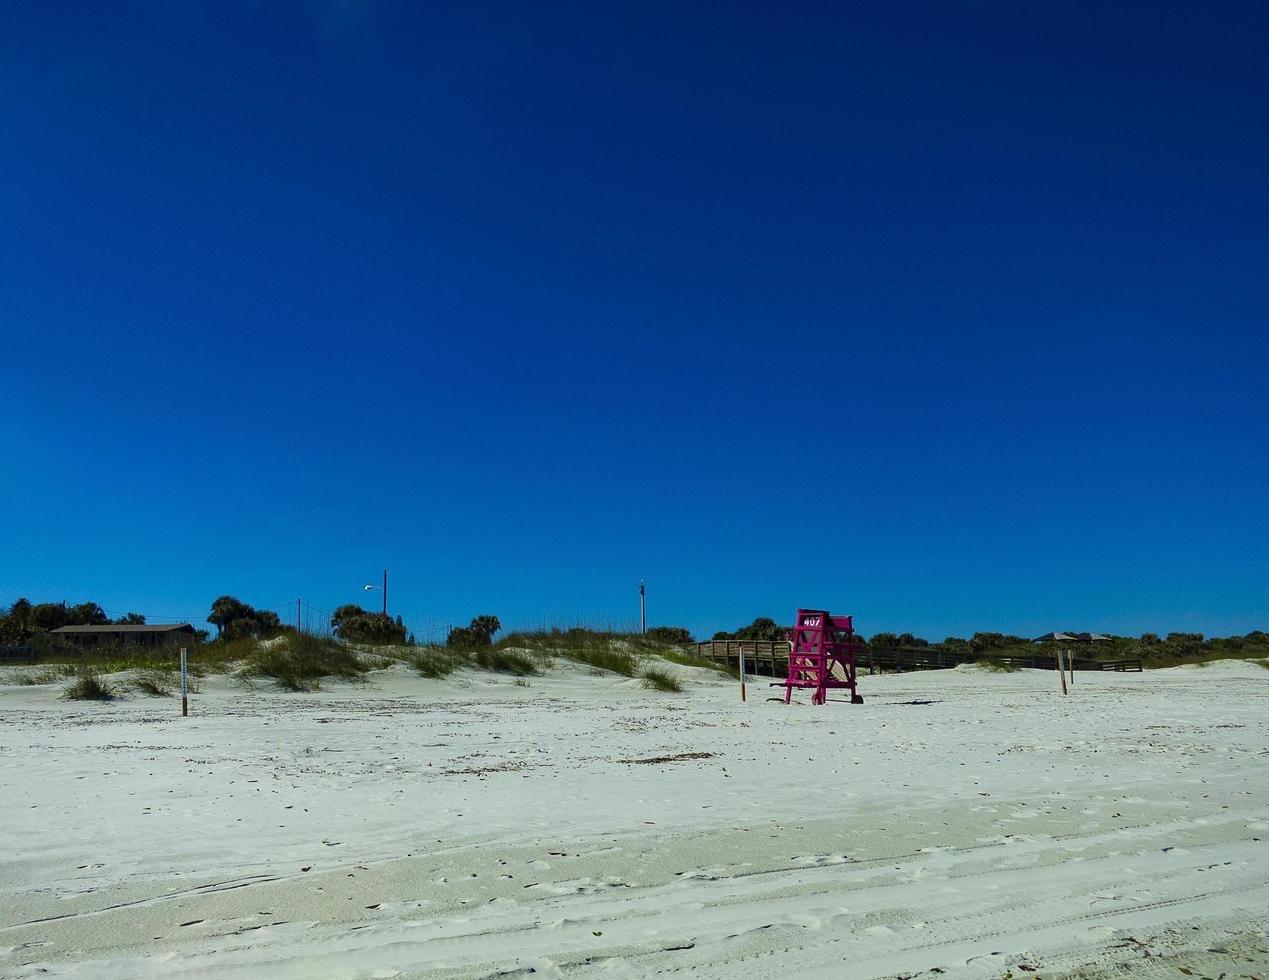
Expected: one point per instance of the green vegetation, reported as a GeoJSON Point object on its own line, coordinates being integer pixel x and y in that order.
{"type": "Point", "coordinates": [479, 633]}
{"type": "Point", "coordinates": [442, 661]}
{"type": "Point", "coordinates": [234, 619]}
{"type": "Point", "coordinates": [761, 628]}
{"type": "Point", "coordinates": [603, 658]}
{"type": "Point", "coordinates": [998, 666]}
{"type": "Point", "coordinates": [433, 662]}
{"type": "Point", "coordinates": [300, 662]}
{"type": "Point", "coordinates": [88, 685]}
{"type": "Point", "coordinates": [356, 625]}
{"type": "Point", "coordinates": [595, 649]}
{"type": "Point", "coordinates": [155, 683]}
{"type": "Point", "coordinates": [1153, 650]}
{"type": "Point", "coordinates": [687, 660]}
{"type": "Point", "coordinates": [503, 662]}
{"type": "Point", "coordinates": [661, 680]}
{"type": "Point", "coordinates": [44, 675]}
{"type": "Point", "coordinates": [669, 634]}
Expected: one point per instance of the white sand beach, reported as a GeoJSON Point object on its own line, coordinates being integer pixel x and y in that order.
{"type": "Point", "coordinates": [957, 824]}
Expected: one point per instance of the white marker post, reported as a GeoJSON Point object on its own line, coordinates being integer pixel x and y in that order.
{"type": "Point", "coordinates": [184, 685]}
{"type": "Point", "coordinates": [742, 672]}
{"type": "Point", "coordinates": [1061, 672]}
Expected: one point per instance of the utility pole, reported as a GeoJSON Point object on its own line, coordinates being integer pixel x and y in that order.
{"type": "Point", "coordinates": [643, 609]}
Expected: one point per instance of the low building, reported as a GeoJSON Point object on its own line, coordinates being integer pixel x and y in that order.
{"type": "Point", "coordinates": [170, 634]}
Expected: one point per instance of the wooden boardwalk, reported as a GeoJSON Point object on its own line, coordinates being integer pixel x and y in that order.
{"type": "Point", "coordinates": [770, 658]}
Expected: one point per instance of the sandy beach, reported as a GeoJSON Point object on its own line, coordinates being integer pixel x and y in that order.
{"type": "Point", "coordinates": [959, 823]}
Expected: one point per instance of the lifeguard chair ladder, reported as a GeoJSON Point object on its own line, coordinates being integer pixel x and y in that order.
{"type": "Point", "coordinates": [819, 643]}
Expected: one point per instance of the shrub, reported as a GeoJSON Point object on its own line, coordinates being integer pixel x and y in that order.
{"type": "Point", "coordinates": [356, 625]}
{"type": "Point", "coordinates": [484, 628]}
{"type": "Point", "coordinates": [461, 638]}
{"type": "Point", "coordinates": [88, 685]}
{"type": "Point", "coordinates": [661, 680]}
{"type": "Point", "coordinates": [669, 634]}
{"type": "Point", "coordinates": [155, 683]}
{"type": "Point", "coordinates": [479, 633]}
{"type": "Point", "coordinates": [301, 661]}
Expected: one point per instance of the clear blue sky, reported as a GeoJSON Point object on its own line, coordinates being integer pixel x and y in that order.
{"type": "Point", "coordinates": [951, 316]}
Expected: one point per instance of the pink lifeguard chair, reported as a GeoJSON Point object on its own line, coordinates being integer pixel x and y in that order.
{"type": "Point", "coordinates": [819, 643]}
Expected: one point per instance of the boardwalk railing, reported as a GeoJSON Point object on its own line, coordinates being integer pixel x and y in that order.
{"type": "Point", "coordinates": [771, 657]}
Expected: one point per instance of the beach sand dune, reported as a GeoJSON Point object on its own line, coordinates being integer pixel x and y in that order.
{"type": "Point", "coordinates": [957, 824]}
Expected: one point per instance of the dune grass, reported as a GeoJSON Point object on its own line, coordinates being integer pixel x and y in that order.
{"type": "Point", "coordinates": [603, 658]}
{"type": "Point", "coordinates": [996, 666]}
{"type": "Point", "coordinates": [433, 662]}
{"type": "Point", "coordinates": [687, 660]}
{"type": "Point", "coordinates": [153, 683]}
{"type": "Point", "coordinates": [439, 662]}
{"type": "Point", "coordinates": [88, 685]}
{"type": "Point", "coordinates": [44, 675]}
{"type": "Point", "coordinates": [302, 661]}
{"type": "Point", "coordinates": [597, 650]}
{"type": "Point", "coordinates": [503, 661]}
{"type": "Point", "coordinates": [661, 680]}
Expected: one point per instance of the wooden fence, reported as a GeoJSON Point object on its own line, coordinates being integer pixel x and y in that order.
{"type": "Point", "coordinates": [771, 658]}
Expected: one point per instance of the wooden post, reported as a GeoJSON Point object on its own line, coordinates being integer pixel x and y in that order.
{"type": "Point", "coordinates": [184, 685]}
{"type": "Point", "coordinates": [1061, 672]}
{"type": "Point", "coordinates": [742, 673]}
{"type": "Point", "coordinates": [1070, 663]}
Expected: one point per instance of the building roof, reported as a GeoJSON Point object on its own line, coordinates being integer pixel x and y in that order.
{"type": "Point", "coordinates": [117, 628]}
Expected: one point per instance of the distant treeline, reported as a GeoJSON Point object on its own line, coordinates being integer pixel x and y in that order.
{"type": "Point", "coordinates": [26, 622]}
{"type": "Point", "coordinates": [22, 621]}
{"type": "Point", "coordinates": [1150, 647]}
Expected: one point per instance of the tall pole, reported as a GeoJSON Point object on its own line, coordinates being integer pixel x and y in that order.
{"type": "Point", "coordinates": [184, 684]}
{"type": "Point", "coordinates": [385, 593]}
{"type": "Point", "coordinates": [643, 610]}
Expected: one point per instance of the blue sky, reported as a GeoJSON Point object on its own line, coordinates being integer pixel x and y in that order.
{"type": "Point", "coordinates": [950, 315]}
